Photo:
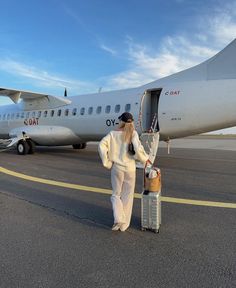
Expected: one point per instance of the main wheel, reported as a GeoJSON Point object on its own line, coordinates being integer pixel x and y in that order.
{"type": "Point", "coordinates": [22, 147]}
{"type": "Point", "coordinates": [31, 146]}
{"type": "Point", "coordinates": [79, 146]}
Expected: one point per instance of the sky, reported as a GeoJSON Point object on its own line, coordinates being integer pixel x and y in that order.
{"type": "Point", "coordinates": [89, 45]}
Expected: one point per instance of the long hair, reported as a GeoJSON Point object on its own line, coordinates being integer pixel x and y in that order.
{"type": "Point", "coordinates": [128, 129]}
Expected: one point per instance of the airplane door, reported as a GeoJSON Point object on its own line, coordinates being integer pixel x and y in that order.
{"type": "Point", "coordinates": [149, 110]}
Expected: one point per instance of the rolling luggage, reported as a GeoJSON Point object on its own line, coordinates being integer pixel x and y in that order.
{"type": "Point", "coordinates": [151, 202]}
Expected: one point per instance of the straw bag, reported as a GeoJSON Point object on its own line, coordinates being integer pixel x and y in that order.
{"type": "Point", "coordinates": [153, 184]}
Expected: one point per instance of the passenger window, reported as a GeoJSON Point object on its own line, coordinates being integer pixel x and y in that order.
{"type": "Point", "coordinates": [108, 109]}
{"type": "Point", "coordinates": [82, 110]}
{"type": "Point", "coordinates": [66, 112]}
{"type": "Point", "coordinates": [39, 114]}
{"type": "Point", "coordinates": [52, 113]}
{"type": "Point", "coordinates": [90, 110]}
{"type": "Point", "coordinates": [12, 116]}
{"type": "Point", "coordinates": [59, 113]}
{"type": "Point", "coordinates": [27, 115]}
{"type": "Point", "coordinates": [74, 111]}
{"type": "Point", "coordinates": [117, 108]}
{"type": "Point", "coordinates": [0, 117]}
{"type": "Point", "coordinates": [99, 110]}
{"type": "Point", "coordinates": [17, 116]}
{"type": "Point", "coordinates": [33, 114]}
{"type": "Point", "coordinates": [8, 116]}
{"type": "Point", "coordinates": [45, 113]}
{"type": "Point", "coordinates": [127, 107]}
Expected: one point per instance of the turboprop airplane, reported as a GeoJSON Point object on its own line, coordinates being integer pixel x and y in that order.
{"type": "Point", "coordinates": [197, 100]}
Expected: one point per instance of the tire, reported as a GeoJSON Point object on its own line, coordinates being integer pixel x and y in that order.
{"type": "Point", "coordinates": [79, 146]}
{"type": "Point", "coordinates": [31, 146]}
{"type": "Point", "coordinates": [22, 147]}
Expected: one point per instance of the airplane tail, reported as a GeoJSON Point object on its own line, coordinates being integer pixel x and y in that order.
{"type": "Point", "coordinates": [220, 66]}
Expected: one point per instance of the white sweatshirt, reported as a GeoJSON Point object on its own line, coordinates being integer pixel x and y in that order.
{"type": "Point", "coordinates": [113, 149]}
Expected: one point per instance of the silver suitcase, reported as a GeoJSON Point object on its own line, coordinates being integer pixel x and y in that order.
{"type": "Point", "coordinates": [151, 211]}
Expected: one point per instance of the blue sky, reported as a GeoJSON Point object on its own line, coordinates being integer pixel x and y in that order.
{"type": "Point", "coordinates": [84, 45]}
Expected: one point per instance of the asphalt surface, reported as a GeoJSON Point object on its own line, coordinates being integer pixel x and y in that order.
{"type": "Point", "coordinates": [60, 237]}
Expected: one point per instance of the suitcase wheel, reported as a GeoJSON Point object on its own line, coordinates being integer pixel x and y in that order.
{"type": "Point", "coordinates": [156, 230]}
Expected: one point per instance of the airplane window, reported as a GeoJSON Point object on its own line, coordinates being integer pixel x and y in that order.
{"type": "Point", "coordinates": [33, 115]}
{"type": "Point", "coordinates": [17, 115]}
{"type": "Point", "coordinates": [82, 110]}
{"type": "Point", "coordinates": [127, 107]}
{"type": "Point", "coordinates": [59, 113]}
{"type": "Point", "coordinates": [74, 111]}
{"type": "Point", "coordinates": [8, 116]}
{"type": "Point", "coordinates": [90, 110]}
{"type": "Point", "coordinates": [99, 110]}
{"type": "Point", "coordinates": [45, 113]}
{"type": "Point", "coordinates": [52, 113]}
{"type": "Point", "coordinates": [0, 117]}
{"type": "Point", "coordinates": [22, 115]}
{"type": "Point", "coordinates": [108, 109]}
{"type": "Point", "coordinates": [66, 112]}
{"type": "Point", "coordinates": [39, 114]}
{"type": "Point", "coordinates": [117, 108]}
{"type": "Point", "coordinates": [12, 116]}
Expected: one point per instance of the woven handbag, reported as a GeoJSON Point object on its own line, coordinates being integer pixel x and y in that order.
{"type": "Point", "coordinates": [153, 184]}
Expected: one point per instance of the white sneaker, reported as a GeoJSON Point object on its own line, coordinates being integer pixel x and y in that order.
{"type": "Point", "coordinates": [116, 227]}
{"type": "Point", "coordinates": [123, 227]}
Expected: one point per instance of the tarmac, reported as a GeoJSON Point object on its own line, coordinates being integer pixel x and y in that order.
{"type": "Point", "coordinates": [56, 218]}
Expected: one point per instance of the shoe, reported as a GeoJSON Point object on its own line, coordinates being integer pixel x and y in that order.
{"type": "Point", "coordinates": [116, 227]}
{"type": "Point", "coordinates": [123, 227]}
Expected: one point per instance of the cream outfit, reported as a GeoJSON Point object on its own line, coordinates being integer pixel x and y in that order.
{"type": "Point", "coordinates": [114, 154]}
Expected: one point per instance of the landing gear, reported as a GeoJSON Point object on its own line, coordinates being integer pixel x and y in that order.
{"type": "Point", "coordinates": [25, 147]}
{"type": "Point", "coordinates": [22, 147]}
{"type": "Point", "coordinates": [31, 146]}
{"type": "Point", "coordinates": [79, 146]}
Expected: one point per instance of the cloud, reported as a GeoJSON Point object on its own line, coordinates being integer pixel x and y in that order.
{"type": "Point", "coordinates": [108, 49]}
{"type": "Point", "coordinates": [177, 52]}
{"type": "Point", "coordinates": [40, 77]}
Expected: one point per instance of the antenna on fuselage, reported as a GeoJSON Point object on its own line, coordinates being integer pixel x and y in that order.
{"type": "Point", "coordinates": [65, 93]}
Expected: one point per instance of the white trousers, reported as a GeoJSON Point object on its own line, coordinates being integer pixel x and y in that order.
{"type": "Point", "coordinates": [123, 184]}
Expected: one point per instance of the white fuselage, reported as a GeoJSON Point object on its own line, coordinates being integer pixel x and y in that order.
{"type": "Point", "coordinates": [182, 108]}
{"type": "Point", "coordinates": [197, 100]}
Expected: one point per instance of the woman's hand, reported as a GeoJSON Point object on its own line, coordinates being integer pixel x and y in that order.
{"type": "Point", "coordinates": [148, 162]}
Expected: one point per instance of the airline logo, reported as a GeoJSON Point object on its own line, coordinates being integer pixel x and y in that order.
{"type": "Point", "coordinates": [172, 92]}
{"type": "Point", "coordinates": [31, 121]}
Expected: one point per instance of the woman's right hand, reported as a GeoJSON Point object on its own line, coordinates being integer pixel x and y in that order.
{"type": "Point", "coordinates": [148, 162]}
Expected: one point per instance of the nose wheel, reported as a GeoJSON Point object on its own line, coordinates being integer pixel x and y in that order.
{"type": "Point", "coordinates": [25, 147]}
{"type": "Point", "coordinates": [22, 147]}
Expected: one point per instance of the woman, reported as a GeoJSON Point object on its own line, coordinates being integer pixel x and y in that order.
{"type": "Point", "coordinates": [113, 150]}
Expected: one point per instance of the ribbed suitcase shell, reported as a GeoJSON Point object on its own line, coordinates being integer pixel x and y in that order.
{"type": "Point", "coordinates": [151, 211]}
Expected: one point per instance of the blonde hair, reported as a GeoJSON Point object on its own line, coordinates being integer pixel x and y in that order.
{"type": "Point", "coordinates": [128, 129]}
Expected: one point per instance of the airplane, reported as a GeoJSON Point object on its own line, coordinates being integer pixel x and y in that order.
{"type": "Point", "coordinates": [196, 100]}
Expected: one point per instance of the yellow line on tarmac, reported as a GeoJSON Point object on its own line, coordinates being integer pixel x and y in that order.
{"type": "Point", "coordinates": [108, 191]}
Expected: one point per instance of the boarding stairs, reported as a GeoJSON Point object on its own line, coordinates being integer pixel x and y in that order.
{"type": "Point", "coordinates": [150, 141]}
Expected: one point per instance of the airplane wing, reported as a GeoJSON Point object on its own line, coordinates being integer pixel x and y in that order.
{"type": "Point", "coordinates": [16, 95]}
